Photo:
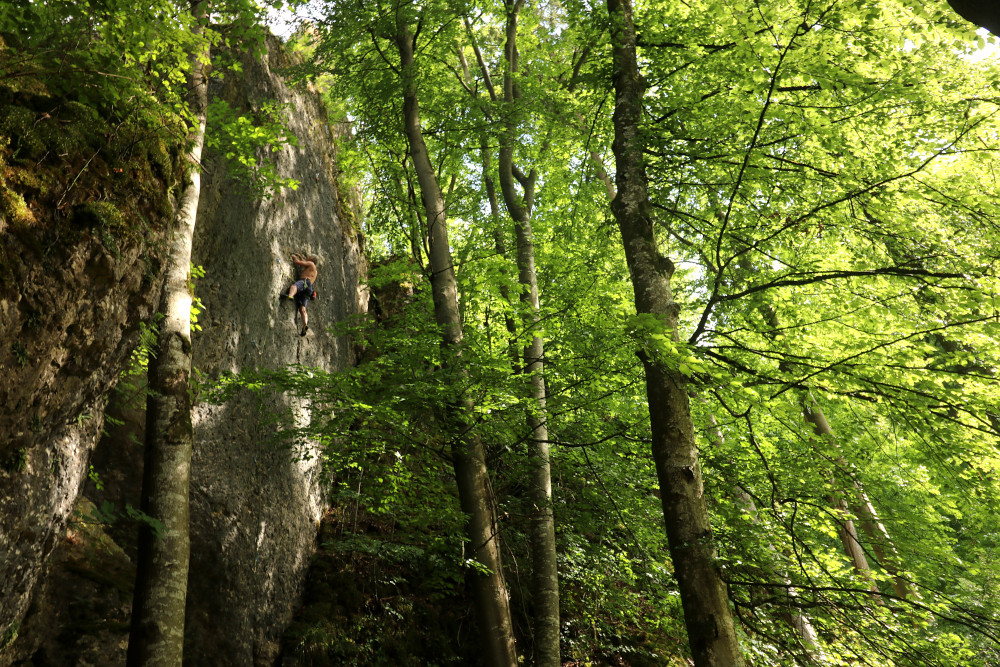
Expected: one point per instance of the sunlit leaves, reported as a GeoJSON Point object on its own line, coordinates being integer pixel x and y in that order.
{"type": "Point", "coordinates": [822, 176]}
{"type": "Point", "coordinates": [244, 141]}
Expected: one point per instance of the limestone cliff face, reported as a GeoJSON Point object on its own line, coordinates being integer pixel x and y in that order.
{"type": "Point", "coordinates": [69, 316]}
{"type": "Point", "coordinates": [76, 278]}
{"type": "Point", "coordinates": [255, 504]}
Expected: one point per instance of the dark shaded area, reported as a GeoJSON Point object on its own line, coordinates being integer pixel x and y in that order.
{"type": "Point", "coordinates": [984, 13]}
{"type": "Point", "coordinates": [84, 207]}
{"type": "Point", "coordinates": [82, 607]}
{"type": "Point", "coordinates": [373, 598]}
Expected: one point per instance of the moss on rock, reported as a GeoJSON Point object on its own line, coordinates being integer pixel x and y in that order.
{"type": "Point", "coordinates": [13, 209]}
{"type": "Point", "coordinates": [18, 123]}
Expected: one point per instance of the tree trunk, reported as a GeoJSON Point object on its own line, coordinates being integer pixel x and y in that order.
{"type": "Point", "coordinates": [881, 543]}
{"type": "Point", "coordinates": [800, 621]}
{"type": "Point", "coordinates": [544, 571]}
{"type": "Point", "coordinates": [874, 529]}
{"type": "Point", "coordinates": [475, 492]}
{"type": "Point", "coordinates": [707, 616]}
{"type": "Point", "coordinates": [157, 632]}
{"type": "Point", "coordinates": [501, 249]}
{"type": "Point", "coordinates": [847, 530]}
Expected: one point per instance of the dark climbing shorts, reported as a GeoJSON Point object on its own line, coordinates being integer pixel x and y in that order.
{"type": "Point", "coordinates": [303, 293]}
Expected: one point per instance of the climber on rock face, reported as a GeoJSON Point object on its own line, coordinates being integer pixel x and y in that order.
{"type": "Point", "coordinates": [302, 290]}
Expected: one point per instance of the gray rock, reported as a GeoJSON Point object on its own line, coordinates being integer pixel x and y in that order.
{"type": "Point", "coordinates": [255, 504]}
{"type": "Point", "coordinates": [65, 335]}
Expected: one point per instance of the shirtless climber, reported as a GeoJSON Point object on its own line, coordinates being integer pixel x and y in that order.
{"type": "Point", "coordinates": [302, 290]}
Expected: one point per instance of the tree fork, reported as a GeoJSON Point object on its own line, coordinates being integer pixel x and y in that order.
{"type": "Point", "coordinates": [544, 570]}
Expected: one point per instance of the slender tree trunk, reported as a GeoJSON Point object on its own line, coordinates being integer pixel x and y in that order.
{"type": "Point", "coordinates": [707, 616]}
{"type": "Point", "coordinates": [813, 415]}
{"type": "Point", "coordinates": [803, 626]}
{"type": "Point", "coordinates": [861, 507]}
{"type": "Point", "coordinates": [544, 572]}
{"type": "Point", "coordinates": [847, 530]}
{"type": "Point", "coordinates": [501, 249]}
{"type": "Point", "coordinates": [545, 577]}
{"type": "Point", "coordinates": [157, 632]}
{"type": "Point", "coordinates": [881, 543]}
{"type": "Point", "coordinates": [475, 492]}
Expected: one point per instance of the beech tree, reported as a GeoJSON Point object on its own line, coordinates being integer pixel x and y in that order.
{"type": "Point", "coordinates": [763, 210]}
{"type": "Point", "coordinates": [467, 452]}
{"type": "Point", "coordinates": [401, 26]}
{"type": "Point", "coordinates": [157, 635]}
{"type": "Point", "coordinates": [785, 211]}
{"type": "Point", "coordinates": [692, 548]}
{"type": "Point", "coordinates": [545, 580]}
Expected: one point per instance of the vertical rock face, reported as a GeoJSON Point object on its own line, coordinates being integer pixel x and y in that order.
{"type": "Point", "coordinates": [72, 295]}
{"type": "Point", "coordinates": [255, 504]}
{"type": "Point", "coordinates": [68, 320]}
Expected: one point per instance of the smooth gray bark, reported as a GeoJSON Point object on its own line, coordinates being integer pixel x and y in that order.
{"type": "Point", "coordinates": [862, 508]}
{"type": "Point", "coordinates": [881, 544]}
{"type": "Point", "coordinates": [469, 458]}
{"type": "Point", "coordinates": [800, 621]}
{"type": "Point", "coordinates": [707, 615]}
{"type": "Point", "coordinates": [845, 524]}
{"type": "Point", "coordinates": [544, 571]}
{"type": "Point", "coordinates": [157, 632]}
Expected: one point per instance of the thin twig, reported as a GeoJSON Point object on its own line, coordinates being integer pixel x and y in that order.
{"type": "Point", "coordinates": [80, 173]}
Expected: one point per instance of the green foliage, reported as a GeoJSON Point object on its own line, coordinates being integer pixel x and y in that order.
{"type": "Point", "coordinates": [822, 180]}
{"type": "Point", "coordinates": [245, 140]}
{"type": "Point", "coordinates": [9, 635]}
{"type": "Point", "coordinates": [95, 478]}
{"type": "Point", "coordinates": [17, 462]}
{"type": "Point", "coordinates": [197, 306]}
{"type": "Point", "coordinates": [108, 55]}
{"type": "Point", "coordinates": [107, 515]}
{"type": "Point", "coordinates": [139, 361]}
{"type": "Point", "coordinates": [20, 353]}
{"type": "Point", "coordinates": [367, 603]}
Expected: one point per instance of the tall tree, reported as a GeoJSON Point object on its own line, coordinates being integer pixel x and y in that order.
{"type": "Point", "coordinates": [711, 632]}
{"type": "Point", "coordinates": [758, 129]}
{"type": "Point", "coordinates": [544, 573]}
{"type": "Point", "coordinates": [157, 630]}
{"type": "Point", "coordinates": [157, 634]}
{"type": "Point", "coordinates": [467, 451]}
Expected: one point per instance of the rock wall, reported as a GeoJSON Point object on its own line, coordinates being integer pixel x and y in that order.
{"type": "Point", "coordinates": [255, 504]}
{"type": "Point", "coordinates": [76, 278]}
{"type": "Point", "coordinates": [69, 316]}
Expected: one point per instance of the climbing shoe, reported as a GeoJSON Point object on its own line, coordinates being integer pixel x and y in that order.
{"type": "Point", "coordinates": [305, 328]}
